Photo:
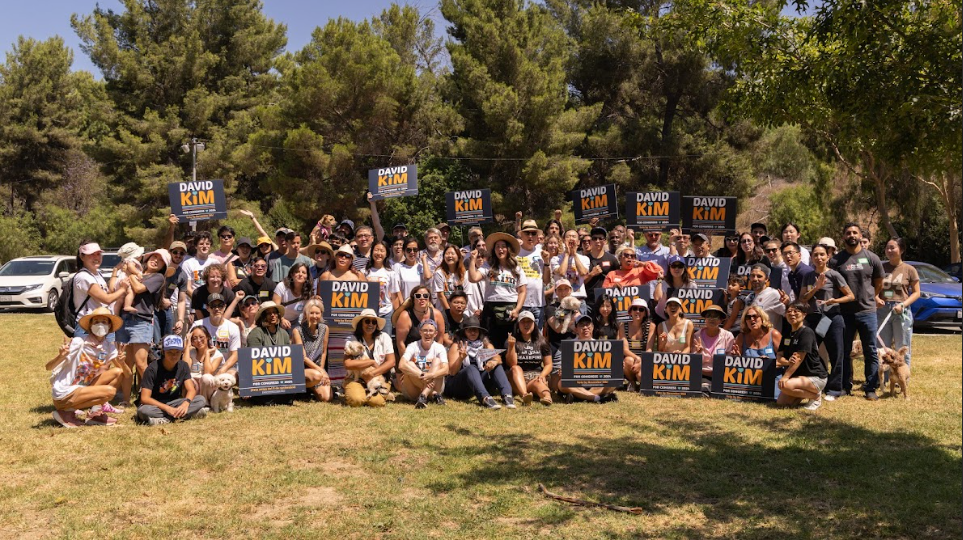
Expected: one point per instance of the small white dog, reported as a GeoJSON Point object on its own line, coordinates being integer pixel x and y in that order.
{"type": "Point", "coordinates": [223, 397]}
{"type": "Point", "coordinates": [377, 385]}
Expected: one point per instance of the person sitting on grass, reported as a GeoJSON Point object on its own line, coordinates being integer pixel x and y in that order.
{"type": "Point", "coordinates": [805, 376]}
{"type": "Point", "coordinates": [87, 372]}
{"type": "Point", "coordinates": [268, 332]}
{"type": "Point", "coordinates": [378, 360]}
{"type": "Point", "coordinates": [167, 392]}
{"type": "Point", "coordinates": [584, 329]}
{"type": "Point", "coordinates": [313, 335]}
{"type": "Point", "coordinates": [470, 373]}
{"type": "Point", "coordinates": [530, 359]}
{"type": "Point", "coordinates": [423, 367]}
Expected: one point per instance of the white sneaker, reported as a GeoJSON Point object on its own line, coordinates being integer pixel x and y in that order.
{"type": "Point", "coordinates": [813, 405]}
{"type": "Point", "coordinates": [158, 421]}
{"type": "Point", "coordinates": [830, 397]}
{"type": "Point", "coordinates": [202, 413]}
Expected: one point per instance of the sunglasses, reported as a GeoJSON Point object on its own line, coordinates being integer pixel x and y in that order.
{"type": "Point", "coordinates": [772, 250]}
{"type": "Point", "coordinates": [372, 322]}
{"type": "Point", "coordinates": [628, 256]}
{"type": "Point", "coordinates": [751, 317]}
{"type": "Point", "coordinates": [636, 308]}
{"type": "Point", "coordinates": [178, 253]}
{"type": "Point", "coordinates": [260, 267]}
{"type": "Point", "coordinates": [598, 239]}
{"type": "Point", "coordinates": [677, 266]}
{"type": "Point", "coordinates": [342, 255]}
{"type": "Point", "coordinates": [748, 241]}
{"type": "Point", "coordinates": [529, 233]}
{"type": "Point", "coordinates": [788, 253]}
{"type": "Point", "coordinates": [411, 250]}
{"type": "Point", "coordinates": [226, 236]}
{"type": "Point", "coordinates": [216, 306]}
{"type": "Point", "coordinates": [422, 296]}
{"type": "Point", "coordinates": [732, 239]}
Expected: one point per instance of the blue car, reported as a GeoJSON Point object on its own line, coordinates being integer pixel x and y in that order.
{"type": "Point", "coordinates": [941, 298]}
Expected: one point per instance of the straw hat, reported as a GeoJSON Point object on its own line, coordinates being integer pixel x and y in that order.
{"type": "Point", "coordinates": [265, 307]}
{"type": "Point", "coordinates": [509, 239]}
{"type": "Point", "coordinates": [115, 321]}
{"type": "Point", "coordinates": [367, 314]}
{"type": "Point", "coordinates": [311, 250]}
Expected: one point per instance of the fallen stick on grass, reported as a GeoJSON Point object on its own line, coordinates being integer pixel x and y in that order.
{"type": "Point", "coordinates": [580, 502]}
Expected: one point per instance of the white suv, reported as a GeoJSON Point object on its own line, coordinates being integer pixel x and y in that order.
{"type": "Point", "coordinates": [35, 281]}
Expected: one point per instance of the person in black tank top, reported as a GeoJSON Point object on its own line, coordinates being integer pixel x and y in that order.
{"type": "Point", "coordinates": [529, 358]}
{"type": "Point", "coordinates": [638, 340]}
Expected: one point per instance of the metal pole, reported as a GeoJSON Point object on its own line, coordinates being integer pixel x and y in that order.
{"type": "Point", "coordinates": [194, 173]}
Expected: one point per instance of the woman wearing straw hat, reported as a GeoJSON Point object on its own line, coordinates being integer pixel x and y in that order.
{"type": "Point", "coordinates": [343, 268]}
{"type": "Point", "coordinates": [268, 332]}
{"type": "Point", "coordinates": [313, 335]}
{"type": "Point", "coordinates": [322, 255]}
{"type": "Point", "coordinates": [713, 339]}
{"type": "Point", "coordinates": [505, 291]}
{"type": "Point", "coordinates": [472, 371]}
{"type": "Point", "coordinates": [87, 372]}
{"type": "Point", "coordinates": [377, 361]}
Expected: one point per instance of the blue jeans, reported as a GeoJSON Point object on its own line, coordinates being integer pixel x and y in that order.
{"type": "Point", "coordinates": [863, 322]}
{"type": "Point", "coordinates": [163, 324]}
{"type": "Point", "coordinates": [898, 330]}
{"type": "Point", "coordinates": [539, 313]}
{"type": "Point", "coordinates": [469, 381]}
{"type": "Point", "coordinates": [840, 368]}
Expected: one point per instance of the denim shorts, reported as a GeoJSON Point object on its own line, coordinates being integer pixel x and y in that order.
{"type": "Point", "coordinates": [136, 331]}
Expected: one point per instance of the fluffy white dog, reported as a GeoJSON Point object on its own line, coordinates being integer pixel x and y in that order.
{"type": "Point", "coordinates": [223, 397]}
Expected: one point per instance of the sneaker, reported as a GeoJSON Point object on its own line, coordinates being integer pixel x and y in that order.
{"type": "Point", "coordinates": [421, 403]}
{"type": "Point", "coordinates": [101, 419]}
{"type": "Point", "coordinates": [830, 397]}
{"type": "Point", "coordinates": [609, 398]}
{"type": "Point", "coordinates": [871, 396]}
{"type": "Point", "coordinates": [490, 403]}
{"type": "Point", "coordinates": [509, 402]}
{"type": "Point", "coordinates": [67, 419]}
{"type": "Point", "coordinates": [158, 421]}
{"type": "Point", "coordinates": [438, 399]}
{"type": "Point", "coordinates": [813, 405]}
{"type": "Point", "coordinates": [527, 399]}
{"type": "Point", "coordinates": [110, 409]}
{"type": "Point", "coordinates": [202, 413]}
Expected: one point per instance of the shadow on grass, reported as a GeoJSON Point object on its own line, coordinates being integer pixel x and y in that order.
{"type": "Point", "coordinates": [823, 478]}
{"type": "Point", "coordinates": [43, 409]}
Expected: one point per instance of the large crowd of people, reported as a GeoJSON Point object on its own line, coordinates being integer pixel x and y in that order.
{"type": "Point", "coordinates": [485, 320]}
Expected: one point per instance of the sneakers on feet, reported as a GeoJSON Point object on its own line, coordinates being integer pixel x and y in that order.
{"type": "Point", "coordinates": [813, 405]}
{"type": "Point", "coordinates": [421, 403]}
{"type": "Point", "coordinates": [609, 398]}
{"type": "Point", "coordinates": [110, 409]}
{"type": "Point", "coordinates": [871, 396]}
{"type": "Point", "coordinates": [101, 419]}
{"type": "Point", "coordinates": [67, 419]}
{"type": "Point", "coordinates": [509, 402]}
{"type": "Point", "coordinates": [438, 399]}
{"type": "Point", "coordinates": [158, 421]}
{"type": "Point", "coordinates": [830, 397]}
{"type": "Point", "coordinates": [490, 403]}
{"type": "Point", "coordinates": [202, 413]}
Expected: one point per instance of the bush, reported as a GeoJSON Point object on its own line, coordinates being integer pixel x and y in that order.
{"type": "Point", "coordinates": [781, 153]}
{"type": "Point", "coordinates": [801, 205]}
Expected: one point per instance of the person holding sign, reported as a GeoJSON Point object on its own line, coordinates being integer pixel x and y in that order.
{"type": "Point", "coordinates": [506, 284]}
{"type": "Point", "coordinates": [639, 335]}
{"type": "Point", "coordinates": [678, 278]}
{"type": "Point", "coordinates": [584, 330]}
{"type": "Point", "coordinates": [268, 332]}
{"type": "Point", "coordinates": [378, 360]}
{"type": "Point", "coordinates": [632, 272]}
{"type": "Point", "coordinates": [713, 339]}
{"type": "Point", "coordinates": [529, 358]}
{"type": "Point", "coordinates": [572, 266]}
{"type": "Point", "coordinates": [675, 333]}
{"type": "Point", "coordinates": [313, 335]}
{"type": "Point", "coordinates": [167, 392]}
{"type": "Point", "coordinates": [474, 367]}
{"type": "Point", "coordinates": [805, 376]}
{"type": "Point", "coordinates": [423, 367]}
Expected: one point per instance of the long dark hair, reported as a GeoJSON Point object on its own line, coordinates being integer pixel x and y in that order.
{"type": "Point", "coordinates": [597, 311]}
{"type": "Point", "coordinates": [742, 258]}
{"type": "Point", "coordinates": [511, 263]}
{"type": "Point", "coordinates": [370, 264]}
{"type": "Point", "coordinates": [289, 280]}
{"type": "Point", "coordinates": [459, 269]}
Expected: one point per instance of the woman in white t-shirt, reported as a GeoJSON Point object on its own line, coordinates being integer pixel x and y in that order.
{"type": "Point", "coordinates": [409, 273]}
{"type": "Point", "coordinates": [205, 361]}
{"type": "Point", "coordinates": [423, 367]}
{"type": "Point", "coordinates": [506, 282]}
{"type": "Point", "coordinates": [292, 293]}
{"type": "Point", "coordinates": [90, 289]}
{"type": "Point", "coordinates": [379, 271]}
{"type": "Point", "coordinates": [379, 358]}
{"type": "Point", "coordinates": [450, 276]}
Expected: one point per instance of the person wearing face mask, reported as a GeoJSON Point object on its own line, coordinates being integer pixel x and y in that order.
{"type": "Point", "coordinates": [257, 285]}
{"type": "Point", "coordinates": [790, 233]}
{"type": "Point", "coordinates": [87, 372]}
{"type": "Point", "coordinates": [279, 267]}
{"type": "Point", "coordinates": [863, 272]}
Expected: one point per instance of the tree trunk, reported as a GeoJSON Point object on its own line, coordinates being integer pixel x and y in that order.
{"type": "Point", "coordinates": [953, 212]}
{"type": "Point", "coordinates": [879, 174]}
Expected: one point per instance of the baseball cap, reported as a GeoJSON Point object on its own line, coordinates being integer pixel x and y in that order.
{"type": "Point", "coordinates": [261, 240]}
{"type": "Point", "coordinates": [582, 317]}
{"type": "Point", "coordinates": [177, 244]}
{"type": "Point", "coordinates": [563, 283]}
{"type": "Point", "coordinates": [173, 342]}
{"type": "Point", "coordinates": [672, 259]}
{"type": "Point", "coordinates": [282, 230]}
{"type": "Point", "coordinates": [598, 230]}
{"type": "Point", "coordinates": [88, 249]}
{"type": "Point", "coordinates": [759, 225]}
{"type": "Point", "coordinates": [526, 315]}
{"type": "Point", "coordinates": [673, 300]}
{"type": "Point", "coordinates": [245, 241]}
{"type": "Point", "coordinates": [400, 226]}
{"type": "Point", "coordinates": [443, 225]}
{"type": "Point", "coordinates": [347, 222]}
{"type": "Point", "coordinates": [215, 297]}
{"type": "Point", "coordinates": [826, 241]}
{"type": "Point", "coordinates": [700, 236]}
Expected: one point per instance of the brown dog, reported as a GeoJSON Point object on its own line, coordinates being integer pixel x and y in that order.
{"type": "Point", "coordinates": [894, 362]}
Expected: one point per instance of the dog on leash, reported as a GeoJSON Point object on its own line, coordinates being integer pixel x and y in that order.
{"type": "Point", "coordinates": [893, 362]}
{"type": "Point", "coordinates": [223, 397]}
{"type": "Point", "coordinates": [354, 350]}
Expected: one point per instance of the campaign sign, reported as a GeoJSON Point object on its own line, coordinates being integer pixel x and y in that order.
{"type": "Point", "coordinates": [696, 300]}
{"type": "Point", "coordinates": [471, 206]}
{"type": "Point", "coordinates": [652, 210]}
{"type": "Point", "coordinates": [271, 370]}
{"type": "Point", "coordinates": [740, 377]}
{"type": "Point", "coordinates": [193, 201]}
{"type": "Point", "coordinates": [709, 214]}
{"type": "Point", "coordinates": [344, 300]}
{"type": "Point", "coordinates": [594, 202]}
{"type": "Point", "coordinates": [592, 364]}
{"type": "Point", "coordinates": [711, 272]}
{"type": "Point", "coordinates": [622, 297]}
{"type": "Point", "coordinates": [389, 182]}
{"type": "Point", "coordinates": [671, 374]}
{"type": "Point", "coordinates": [742, 270]}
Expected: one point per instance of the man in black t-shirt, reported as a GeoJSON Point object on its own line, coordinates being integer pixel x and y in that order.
{"type": "Point", "coordinates": [167, 392]}
{"type": "Point", "coordinates": [805, 376]}
{"type": "Point", "coordinates": [257, 285]}
{"type": "Point", "coordinates": [863, 272]}
{"type": "Point", "coordinates": [601, 262]}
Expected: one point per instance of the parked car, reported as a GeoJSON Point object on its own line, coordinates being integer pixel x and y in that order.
{"type": "Point", "coordinates": [941, 296]}
{"type": "Point", "coordinates": [35, 281]}
{"type": "Point", "coordinates": [108, 262]}
{"type": "Point", "coordinates": [955, 270]}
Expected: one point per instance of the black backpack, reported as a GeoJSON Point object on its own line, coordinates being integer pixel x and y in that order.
{"type": "Point", "coordinates": [65, 313]}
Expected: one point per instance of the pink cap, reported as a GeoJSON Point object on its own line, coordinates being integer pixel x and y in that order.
{"type": "Point", "coordinates": [91, 248]}
{"type": "Point", "coordinates": [164, 255]}
{"type": "Point", "coordinates": [564, 282]}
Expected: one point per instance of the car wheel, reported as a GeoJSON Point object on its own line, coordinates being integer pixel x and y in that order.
{"type": "Point", "coordinates": [53, 298]}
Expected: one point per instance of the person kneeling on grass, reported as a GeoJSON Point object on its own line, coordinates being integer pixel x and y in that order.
{"type": "Point", "coordinates": [423, 367]}
{"type": "Point", "coordinates": [584, 328]}
{"type": "Point", "coordinates": [377, 361]}
{"type": "Point", "coordinates": [167, 392]}
{"type": "Point", "coordinates": [468, 374]}
{"type": "Point", "coordinates": [805, 376]}
{"type": "Point", "coordinates": [87, 373]}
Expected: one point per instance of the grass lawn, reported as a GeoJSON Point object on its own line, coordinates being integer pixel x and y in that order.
{"type": "Point", "coordinates": [697, 467]}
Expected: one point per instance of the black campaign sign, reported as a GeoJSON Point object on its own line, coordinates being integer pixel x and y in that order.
{"type": "Point", "coordinates": [741, 377]}
{"type": "Point", "coordinates": [709, 214]}
{"type": "Point", "coordinates": [272, 370]}
{"type": "Point", "coordinates": [711, 272]}
{"type": "Point", "coordinates": [592, 363]}
{"type": "Point", "coordinates": [199, 200]}
{"type": "Point", "coordinates": [470, 206]}
{"type": "Point", "coordinates": [671, 374]}
{"type": "Point", "coordinates": [622, 298]}
{"type": "Point", "coordinates": [389, 182]}
{"type": "Point", "coordinates": [594, 202]}
{"type": "Point", "coordinates": [652, 210]}
{"type": "Point", "coordinates": [347, 299]}
{"type": "Point", "coordinates": [696, 300]}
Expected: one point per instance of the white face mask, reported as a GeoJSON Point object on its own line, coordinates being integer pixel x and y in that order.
{"type": "Point", "coordinates": [100, 329]}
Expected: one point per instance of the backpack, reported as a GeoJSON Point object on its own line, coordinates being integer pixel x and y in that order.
{"type": "Point", "coordinates": [65, 314]}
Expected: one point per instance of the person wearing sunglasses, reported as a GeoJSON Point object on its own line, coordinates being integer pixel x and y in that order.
{"type": "Point", "coordinates": [678, 278]}
{"type": "Point", "coordinates": [410, 273]}
{"type": "Point", "coordinates": [779, 270]}
{"type": "Point", "coordinates": [748, 255]}
{"type": "Point", "coordinates": [712, 339]}
{"type": "Point", "coordinates": [601, 262]}
{"type": "Point", "coordinates": [343, 268]}
{"type": "Point", "coordinates": [758, 338]}
{"type": "Point", "coordinates": [730, 247]}
{"type": "Point", "coordinates": [534, 262]}
{"type": "Point", "coordinates": [761, 295]}
{"type": "Point", "coordinates": [506, 285]}
{"type": "Point", "coordinates": [632, 272]}
{"type": "Point", "coordinates": [225, 250]}
{"type": "Point", "coordinates": [639, 335]}
{"type": "Point", "coordinates": [652, 249]}
{"type": "Point", "coordinates": [246, 319]}
{"type": "Point", "coordinates": [378, 360]}
{"type": "Point", "coordinates": [257, 285]}
{"type": "Point", "coordinates": [416, 310]}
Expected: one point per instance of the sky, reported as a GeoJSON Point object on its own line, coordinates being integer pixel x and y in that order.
{"type": "Point", "coordinates": [300, 16]}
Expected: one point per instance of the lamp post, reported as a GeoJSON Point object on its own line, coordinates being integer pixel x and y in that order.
{"type": "Point", "coordinates": [193, 146]}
